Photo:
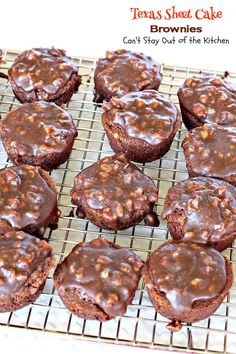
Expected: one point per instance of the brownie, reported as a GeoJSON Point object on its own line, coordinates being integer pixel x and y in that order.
{"type": "Point", "coordinates": [2, 75]}
{"type": "Point", "coordinates": [123, 71]}
{"type": "Point", "coordinates": [98, 279]}
{"type": "Point", "coordinates": [44, 74]}
{"type": "Point", "coordinates": [142, 124]}
{"type": "Point", "coordinates": [203, 210]}
{"type": "Point", "coordinates": [28, 200]}
{"type": "Point", "coordinates": [114, 194]}
{"type": "Point", "coordinates": [25, 264]}
{"type": "Point", "coordinates": [187, 282]}
{"type": "Point", "coordinates": [207, 99]}
{"type": "Point", "coordinates": [38, 133]}
{"type": "Point", "coordinates": [210, 150]}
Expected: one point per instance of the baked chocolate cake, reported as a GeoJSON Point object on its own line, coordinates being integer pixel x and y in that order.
{"type": "Point", "coordinates": [187, 282]}
{"type": "Point", "coordinates": [114, 194]}
{"type": "Point", "coordinates": [142, 125]}
{"type": "Point", "coordinates": [202, 210]}
{"type": "Point", "coordinates": [124, 71]}
{"type": "Point", "coordinates": [207, 99]}
{"type": "Point", "coordinates": [210, 151]}
{"type": "Point", "coordinates": [44, 74]}
{"type": "Point", "coordinates": [25, 264]}
{"type": "Point", "coordinates": [98, 279]}
{"type": "Point", "coordinates": [28, 200]}
{"type": "Point", "coordinates": [38, 133]}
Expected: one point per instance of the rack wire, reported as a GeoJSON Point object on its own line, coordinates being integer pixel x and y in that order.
{"type": "Point", "coordinates": [141, 325]}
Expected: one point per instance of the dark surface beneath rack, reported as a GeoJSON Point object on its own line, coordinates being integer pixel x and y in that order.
{"type": "Point", "coordinates": [141, 326]}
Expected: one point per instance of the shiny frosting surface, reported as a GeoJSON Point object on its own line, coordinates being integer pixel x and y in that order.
{"type": "Point", "coordinates": [208, 206]}
{"type": "Point", "coordinates": [210, 99]}
{"type": "Point", "coordinates": [20, 255]}
{"type": "Point", "coordinates": [106, 275]}
{"type": "Point", "coordinates": [146, 115]}
{"type": "Point", "coordinates": [186, 273]}
{"type": "Point", "coordinates": [26, 200]}
{"type": "Point", "coordinates": [47, 69]}
{"type": "Point", "coordinates": [115, 187]}
{"type": "Point", "coordinates": [210, 150]}
{"type": "Point", "coordinates": [38, 128]}
{"type": "Point", "coordinates": [123, 71]}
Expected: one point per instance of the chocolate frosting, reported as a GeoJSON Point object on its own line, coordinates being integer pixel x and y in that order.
{"type": "Point", "coordinates": [115, 187]}
{"type": "Point", "coordinates": [210, 99]}
{"type": "Point", "coordinates": [104, 273]}
{"type": "Point", "coordinates": [38, 129]}
{"type": "Point", "coordinates": [1, 56]}
{"type": "Point", "coordinates": [186, 273]}
{"type": "Point", "coordinates": [208, 207]}
{"type": "Point", "coordinates": [145, 115]}
{"type": "Point", "coordinates": [48, 69]}
{"type": "Point", "coordinates": [20, 255]}
{"type": "Point", "coordinates": [2, 75]}
{"type": "Point", "coordinates": [26, 199]}
{"type": "Point", "coordinates": [123, 71]}
{"type": "Point", "coordinates": [210, 150]}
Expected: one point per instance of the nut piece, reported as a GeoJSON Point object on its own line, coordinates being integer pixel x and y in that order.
{"type": "Point", "coordinates": [105, 273]}
{"type": "Point", "coordinates": [199, 110]}
{"type": "Point", "coordinates": [196, 281]}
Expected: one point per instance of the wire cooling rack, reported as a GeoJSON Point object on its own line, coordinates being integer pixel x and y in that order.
{"type": "Point", "coordinates": [141, 326]}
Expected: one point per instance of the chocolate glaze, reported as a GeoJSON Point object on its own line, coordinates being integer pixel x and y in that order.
{"type": "Point", "coordinates": [210, 99]}
{"type": "Point", "coordinates": [26, 199]}
{"type": "Point", "coordinates": [145, 115]}
{"type": "Point", "coordinates": [210, 150]}
{"type": "Point", "coordinates": [115, 187]}
{"type": "Point", "coordinates": [2, 75]}
{"type": "Point", "coordinates": [152, 219]}
{"type": "Point", "coordinates": [38, 129]}
{"type": "Point", "coordinates": [174, 326]}
{"type": "Point", "coordinates": [186, 273]}
{"type": "Point", "coordinates": [208, 206]}
{"type": "Point", "coordinates": [123, 71]}
{"type": "Point", "coordinates": [42, 68]}
{"type": "Point", "coordinates": [105, 273]}
{"type": "Point", "coordinates": [20, 255]}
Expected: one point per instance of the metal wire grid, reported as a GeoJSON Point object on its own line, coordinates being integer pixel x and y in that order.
{"type": "Point", "coordinates": [141, 326]}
